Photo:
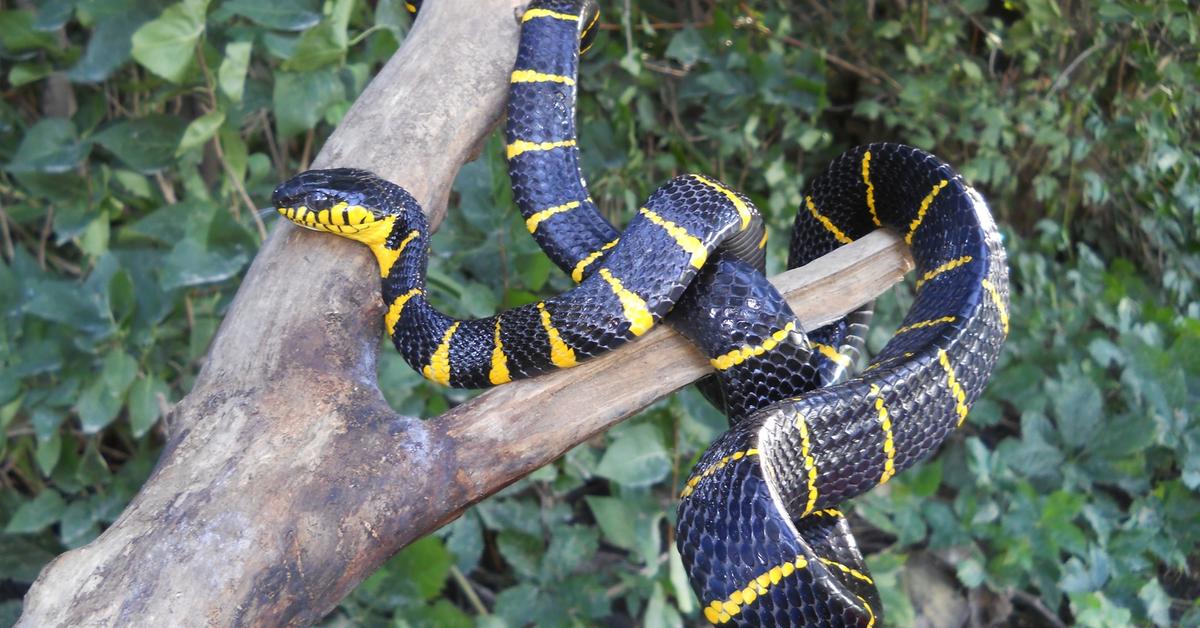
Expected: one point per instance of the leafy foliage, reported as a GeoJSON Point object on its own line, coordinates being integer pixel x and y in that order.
{"type": "Point", "coordinates": [137, 135]}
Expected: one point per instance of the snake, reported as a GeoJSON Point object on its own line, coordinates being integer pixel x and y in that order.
{"type": "Point", "coordinates": [758, 526]}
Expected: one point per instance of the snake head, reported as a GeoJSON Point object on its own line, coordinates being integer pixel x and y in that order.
{"type": "Point", "coordinates": [345, 201]}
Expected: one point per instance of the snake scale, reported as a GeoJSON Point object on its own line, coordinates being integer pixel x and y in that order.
{"type": "Point", "coordinates": [758, 528]}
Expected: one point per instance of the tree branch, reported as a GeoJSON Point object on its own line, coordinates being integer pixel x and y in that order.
{"type": "Point", "coordinates": [286, 478]}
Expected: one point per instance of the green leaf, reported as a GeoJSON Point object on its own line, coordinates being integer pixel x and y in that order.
{"type": "Point", "coordinates": [22, 558]}
{"type": "Point", "coordinates": [443, 614]}
{"type": "Point", "coordinates": [615, 518]}
{"type": "Point", "coordinates": [465, 541]}
{"type": "Point", "coordinates": [301, 99]}
{"type": "Point", "coordinates": [50, 145]}
{"type": "Point", "coordinates": [658, 613]}
{"type": "Point", "coordinates": [122, 297]}
{"type": "Point", "coordinates": [94, 239]}
{"type": "Point", "coordinates": [147, 397]}
{"type": "Point", "coordinates": [48, 452]}
{"type": "Point", "coordinates": [925, 479]}
{"type": "Point", "coordinates": [25, 73]}
{"type": "Point", "coordinates": [427, 564]}
{"type": "Point", "coordinates": [146, 144]}
{"type": "Point", "coordinates": [166, 46]}
{"type": "Point", "coordinates": [686, 47]}
{"type": "Point", "coordinates": [636, 458]}
{"type": "Point", "coordinates": [200, 131]}
{"type": "Point", "coordinates": [46, 421]}
{"type": "Point", "coordinates": [521, 551]}
{"type": "Point", "coordinates": [1158, 603]}
{"type": "Point", "coordinates": [324, 44]}
{"type": "Point", "coordinates": [37, 514]}
{"type": "Point", "coordinates": [17, 33]}
{"type": "Point", "coordinates": [235, 151]}
{"type": "Point", "coordinates": [321, 46]}
{"type": "Point", "coordinates": [53, 14]}
{"type": "Point", "coordinates": [78, 525]}
{"type": "Point", "coordinates": [68, 303]}
{"type": "Point", "coordinates": [287, 15]}
{"type": "Point", "coordinates": [684, 596]}
{"type": "Point", "coordinates": [110, 45]}
{"type": "Point", "coordinates": [93, 468]}
{"type": "Point", "coordinates": [104, 397]}
{"type": "Point", "coordinates": [569, 548]}
{"type": "Point", "coordinates": [1079, 409]}
{"type": "Point", "coordinates": [231, 76]}
{"type": "Point", "coordinates": [190, 263]}
{"type": "Point", "coordinates": [118, 371]}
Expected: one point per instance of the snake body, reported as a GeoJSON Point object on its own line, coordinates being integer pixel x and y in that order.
{"type": "Point", "coordinates": [758, 528]}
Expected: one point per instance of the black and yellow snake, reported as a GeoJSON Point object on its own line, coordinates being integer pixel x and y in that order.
{"type": "Point", "coordinates": [757, 527]}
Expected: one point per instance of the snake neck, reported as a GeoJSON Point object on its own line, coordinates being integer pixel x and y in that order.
{"type": "Point", "coordinates": [401, 249]}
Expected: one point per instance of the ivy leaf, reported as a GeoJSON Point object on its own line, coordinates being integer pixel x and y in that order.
{"type": "Point", "coordinates": [324, 44]}
{"type": "Point", "coordinates": [287, 15]}
{"type": "Point", "coordinates": [22, 558]}
{"type": "Point", "coordinates": [37, 514]}
{"type": "Point", "coordinates": [521, 551]}
{"type": "Point", "coordinates": [166, 46]}
{"type": "Point", "coordinates": [146, 398]}
{"type": "Point", "coordinates": [517, 603]}
{"type": "Point", "coordinates": [686, 47]}
{"type": "Point", "coordinates": [191, 263]}
{"type": "Point", "coordinates": [231, 76]}
{"type": "Point", "coordinates": [53, 14]}
{"type": "Point", "coordinates": [1157, 601]}
{"type": "Point", "coordinates": [93, 469]}
{"type": "Point", "coordinates": [17, 33]}
{"type": "Point", "coordinates": [637, 458]}
{"type": "Point", "coordinates": [200, 131]}
{"type": "Point", "coordinates": [1079, 408]}
{"type": "Point", "coordinates": [104, 397]}
{"type": "Point", "coordinates": [146, 144]}
{"type": "Point", "coordinates": [78, 525]}
{"type": "Point", "coordinates": [427, 564]}
{"type": "Point", "coordinates": [465, 541]}
{"type": "Point", "coordinates": [301, 99]}
{"type": "Point", "coordinates": [569, 547]}
{"type": "Point", "coordinates": [68, 303]}
{"type": "Point", "coordinates": [615, 518]}
{"type": "Point", "coordinates": [50, 145]}
{"type": "Point", "coordinates": [47, 453]}
{"type": "Point", "coordinates": [110, 45]}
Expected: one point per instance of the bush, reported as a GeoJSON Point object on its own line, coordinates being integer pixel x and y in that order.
{"type": "Point", "coordinates": [139, 134]}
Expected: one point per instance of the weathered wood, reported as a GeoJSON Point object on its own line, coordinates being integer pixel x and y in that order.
{"type": "Point", "coordinates": [286, 478]}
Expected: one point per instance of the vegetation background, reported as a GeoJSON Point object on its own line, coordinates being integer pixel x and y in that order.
{"type": "Point", "coordinates": [138, 136]}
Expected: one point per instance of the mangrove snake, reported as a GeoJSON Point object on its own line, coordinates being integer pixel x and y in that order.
{"type": "Point", "coordinates": [757, 526]}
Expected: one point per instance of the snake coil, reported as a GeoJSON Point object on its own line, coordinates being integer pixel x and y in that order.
{"type": "Point", "coordinates": [758, 528]}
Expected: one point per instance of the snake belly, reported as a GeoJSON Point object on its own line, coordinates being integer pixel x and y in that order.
{"type": "Point", "coordinates": [757, 528]}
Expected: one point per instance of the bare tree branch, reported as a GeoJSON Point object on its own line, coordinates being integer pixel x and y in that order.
{"type": "Point", "coordinates": [287, 479]}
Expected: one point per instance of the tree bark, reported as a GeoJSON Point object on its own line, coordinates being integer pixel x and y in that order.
{"type": "Point", "coordinates": [286, 478]}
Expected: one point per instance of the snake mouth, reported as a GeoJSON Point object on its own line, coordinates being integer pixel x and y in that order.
{"type": "Point", "coordinates": [341, 219]}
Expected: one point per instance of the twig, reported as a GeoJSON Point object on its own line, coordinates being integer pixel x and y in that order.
{"type": "Point", "coordinates": [1036, 604]}
{"type": "Point", "coordinates": [1061, 81]}
{"type": "Point", "coordinates": [9, 252]}
{"type": "Point", "coordinates": [240, 188]}
{"type": "Point", "coordinates": [469, 590]}
{"type": "Point", "coordinates": [165, 187]}
{"type": "Point", "coordinates": [44, 237]}
{"type": "Point", "coordinates": [277, 156]}
{"type": "Point", "coordinates": [306, 152]}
